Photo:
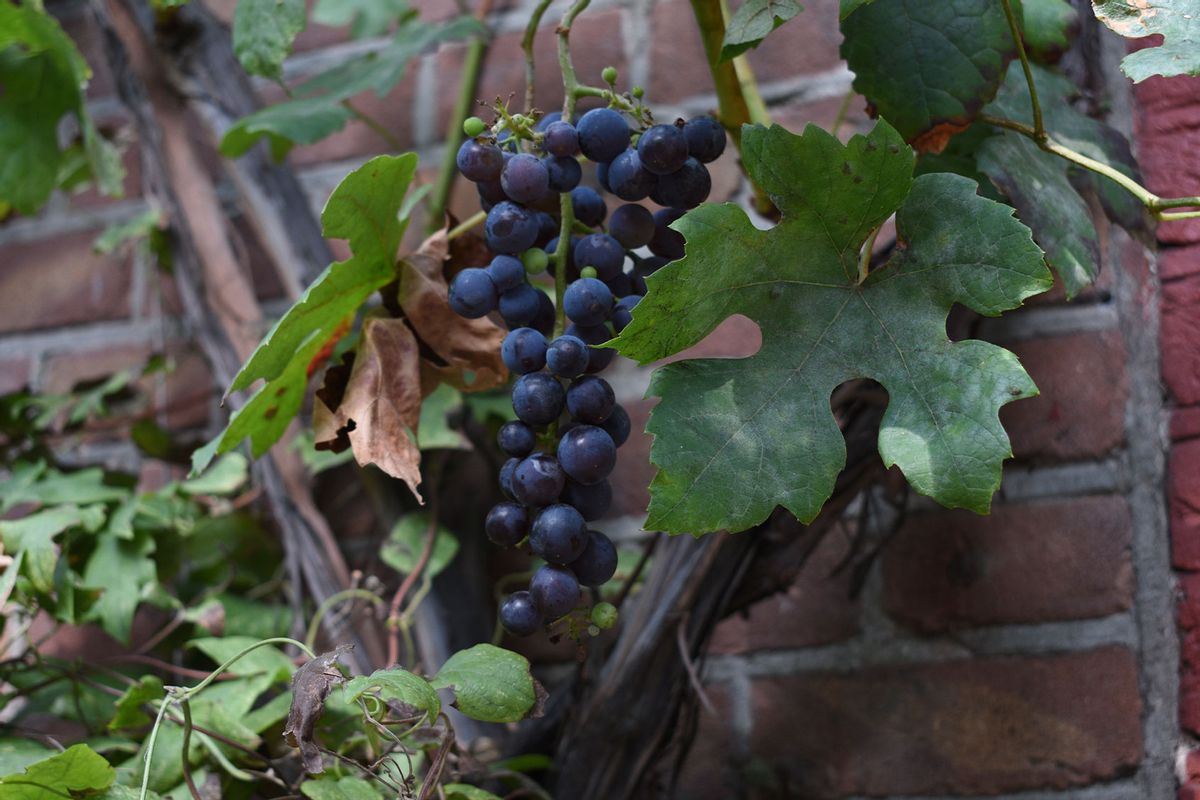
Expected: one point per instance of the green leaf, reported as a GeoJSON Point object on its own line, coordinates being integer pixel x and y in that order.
{"type": "Point", "coordinates": [1178, 21]}
{"type": "Point", "coordinates": [34, 536]}
{"type": "Point", "coordinates": [396, 684]}
{"type": "Point", "coordinates": [927, 68]}
{"type": "Point", "coordinates": [365, 17]}
{"type": "Point", "coordinates": [122, 570]}
{"type": "Point", "coordinates": [464, 791]}
{"type": "Point", "coordinates": [434, 431]}
{"type": "Point", "coordinates": [490, 684]}
{"type": "Point", "coordinates": [49, 487]}
{"type": "Point", "coordinates": [751, 23]}
{"type": "Point", "coordinates": [228, 475]}
{"type": "Point", "coordinates": [76, 770]}
{"type": "Point", "coordinates": [17, 754]}
{"type": "Point", "coordinates": [848, 7]}
{"type": "Point", "coordinates": [304, 121]}
{"type": "Point", "coordinates": [720, 445]}
{"type": "Point", "coordinates": [1048, 28]}
{"type": "Point", "coordinates": [404, 545]}
{"type": "Point", "coordinates": [339, 789]}
{"type": "Point", "coordinates": [136, 227]}
{"type": "Point", "coordinates": [263, 32]}
{"type": "Point", "coordinates": [129, 712]}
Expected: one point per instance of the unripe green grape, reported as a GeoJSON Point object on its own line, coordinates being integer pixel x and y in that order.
{"type": "Point", "coordinates": [535, 260]}
{"type": "Point", "coordinates": [638, 92]}
{"type": "Point", "coordinates": [609, 74]}
{"type": "Point", "coordinates": [473, 126]}
{"type": "Point", "coordinates": [604, 615]}
{"type": "Point", "coordinates": [588, 272]}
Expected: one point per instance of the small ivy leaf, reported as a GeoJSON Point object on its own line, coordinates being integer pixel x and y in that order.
{"type": "Point", "coordinates": [365, 17]}
{"type": "Point", "coordinates": [78, 770]}
{"type": "Point", "coordinates": [33, 536]}
{"type": "Point", "coordinates": [229, 474]}
{"type": "Point", "coordinates": [434, 432]}
{"type": "Point", "coordinates": [381, 405]}
{"type": "Point", "coordinates": [129, 713]}
{"type": "Point", "coordinates": [122, 570]}
{"type": "Point", "coordinates": [17, 754]}
{"type": "Point", "coordinates": [397, 686]}
{"type": "Point", "coordinates": [263, 33]}
{"type": "Point", "coordinates": [751, 23]}
{"type": "Point", "coordinates": [1048, 28]}
{"type": "Point", "coordinates": [927, 68]}
{"type": "Point", "coordinates": [346, 788]}
{"type": "Point", "coordinates": [404, 546]}
{"type": "Point", "coordinates": [465, 791]}
{"type": "Point", "coordinates": [490, 684]}
{"type": "Point", "coordinates": [311, 684]}
{"type": "Point", "coordinates": [723, 460]}
{"type": "Point", "coordinates": [1176, 21]}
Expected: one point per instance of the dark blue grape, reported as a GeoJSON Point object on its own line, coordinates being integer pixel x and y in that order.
{"type": "Point", "coordinates": [667, 243]}
{"type": "Point", "coordinates": [561, 139]}
{"type": "Point", "coordinates": [620, 284]}
{"type": "Point", "coordinates": [510, 228]}
{"type": "Point", "coordinates": [520, 615]}
{"type": "Point", "coordinates": [506, 524]}
{"type": "Point", "coordinates": [506, 477]}
{"type": "Point", "coordinates": [590, 399]}
{"type": "Point", "coordinates": [602, 176]}
{"type": "Point", "coordinates": [631, 225]}
{"type": "Point", "coordinates": [516, 438]}
{"type": "Point", "coordinates": [598, 562]}
{"type": "Point", "coordinates": [617, 425]}
{"type": "Point", "coordinates": [621, 315]}
{"type": "Point", "coordinates": [519, 306]}
{"type": "Point", "coordinates": [472, 293]}
{"type": "Point", "coordinates": [589, 206]}
{"type": "Point", "coordinates": [662, 149]}
{"type": "Point", "coordinates": [603, 134]}
{"type": "Point", "coordinates": [538, 480]}
{"type": "Point", "coordinates": [686, 187]}
{"type": "Point", "coordinates": [598, 358]}
{"type": "Point", "coordinates": [547, 228]}
{"type": "Point", "coordinates": [524, 350]}
{"type": "Point", "coordinates": [543, 321]}
{"type": "Point", "coordinates": [506, 272]}
{"type": "Point", "coordinates": [591, 501]}
{"type": "Point", "coordinates": [490, 193]}
{"type": "Point", "coordinates": [525, 178]}
{"type": "Point", "coordinates": [601, 251]}
{"type": "Point", "coordinates": [587, 454]}
{"type": "Point", "coordinates": [479, 162]}
{"type": "Point", "coordinates": [558, 534]}
{"type": "Point", "coordinates": [538, 398]}
{"type": "Point", "coordinates": [565, 172]}
{"type": "Point", "coordinates": [555, 591]}
{"type": "Point", "coordinates": [587, 301]}
{"type": "Point", "coordinates": [567, 356]}
{"type": "Point", "coordinates": [654, 263]}
{"type": "Point", "coordinates": [628, 179]}
{"type": "Point", "coordinates": [547, 120]}
{"type": "Point", "coordinates": [705, 139]}
{"type": "Point", "coordinates": [637, 284]}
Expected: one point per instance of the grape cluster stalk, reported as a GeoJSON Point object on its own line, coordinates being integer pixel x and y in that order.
{"type": "Point", "coordinates": [563, 445]}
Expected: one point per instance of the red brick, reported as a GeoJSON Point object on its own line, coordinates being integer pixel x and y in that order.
{"type": "Point", "coordinates": [709, 771]}
{"type": "Point", "coordinates": [1081, 409]}
{"type": "Point", "coordinates": [1179, 333]}
{"type": "Point", "coordinates": [822, 113]}
{"type": "Point", "coordinates": [736, 337]}
{"type": "Point", "coordinates": [60, 281]}
{"type": "Point", "coordinates": [1034, 562]}
{"type": "Point", "coordinates": [14, 374]}
{"type": "Point", "coordinates": [1167, 123]}
{"type": "Point", "coordinates": [971, 727]}
{"type": "Point", "coordinates": [1189, 651]}
{"type": "Point", "coordinates": [817, 609]}
{"type": "Point", "coordinates": [1178, 262]}
{"type": "Point", "coordinates": [1183, 474]}
{"type": "Point", "coordinates": [631, 477]}
{"type": "Point", "coordinates": [1185, 423]}
{"type": "Point", "coordinates": [131, 159]}
{"type": "Point", "coordinates": [678, 66]}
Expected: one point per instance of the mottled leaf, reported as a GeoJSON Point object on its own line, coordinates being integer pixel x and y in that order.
{"type": "Point", "coordinates": [263, 32]}
{"type": "Point", "coordinates": [34, 535]}
{"type": "Point", "coordinates": [262, 661]}
{"type": "Point", "coordinates": [434, 431]}
{"type": "Point", "coordinates": [736, 437]}
{"type": "Point", "coordinates": [121, 569]}
{"type": "Point", "coordinates": [1177, 21]}
{"type": "Point", "coordinates": [465, 791]}
{"type": "Point", "coordinates": [751, 23]}
{"type": "Point", "coordinates": [490, 684]}
{"type": "Point", "coordinates": [404, 545]}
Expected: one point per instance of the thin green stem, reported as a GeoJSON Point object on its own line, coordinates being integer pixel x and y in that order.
{"type": "Point", "coordinates": [535, 20]}
{"type": "Point", "coordinates": [310, 637]}
{"type": "Point", "coordinates": [839, 119]}
{"type": "Point", "coordinates": [747, 83]}
{"type": "Point", "coordinates": [186, 763]}
{"type": "Point", "coordinates": [467, 86]}
{"type": "Point", "coordinates": [1178, 215]}
{"type": "Point", "coordinates": [571, 85]}
{"type": "Point", "coordinates": [375, 125]}
{"type": "Point", "coordinates": [1039, 127]}
{"type": "Point", "coordinates": [561, 255]}
{"type": "Point", "coordinates": [212, 676]}
{"type": "Point", "coordinates": [1177, 202]}
{"type": "Point", "coordinates": [470, 222]}
{"type": "Point", "coordinates": [162, 710]}
{"type": "Point", "coordinates": [864, 258]}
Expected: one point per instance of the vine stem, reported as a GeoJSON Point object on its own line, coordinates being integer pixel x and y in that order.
{"type": "Point", "coordinates": [470, 222]}
{"type": "Point", "coordinates": [535, 20]}
{"type": "Point", "coordinates": [1039, 126]}
{"type": "Point", "coordinates": [375, 125]}
{"type": "Point", "coordinates": [570, 81]}
{"type": "Point", "coordinates": [310, 637]}
{"type": "Point", "coordinates": [393, 618]}
{"type": "Point", "coordinates": [186, 708]}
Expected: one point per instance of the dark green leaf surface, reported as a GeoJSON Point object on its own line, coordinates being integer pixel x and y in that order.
{"type": "Point", "coordinates": [927, 68]}
{"type": "Point", "coordinates": [397, 684]}
{"type": "Point", "coordinates": [1048, 28]}
{"type": "Point", "coordinates": [490, 684]}
{"type": "Point", "coordinates": [78, 770]}
{"type": "Point", "coordinates": [736, 437]}
{"type": "Point", "coordinates": [121, 569]}
{"type": "Point", "coordinates": [130, 713]}
{"type": "Point", "coordinates": [751, 23]}
{"type": "Point", "coordinates": [1178, 21]}
{"type": "Point", "coordinates": [263, 32]}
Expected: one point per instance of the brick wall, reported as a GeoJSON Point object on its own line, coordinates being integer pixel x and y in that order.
{"type": "Point", "coordinates": [1030, 654]}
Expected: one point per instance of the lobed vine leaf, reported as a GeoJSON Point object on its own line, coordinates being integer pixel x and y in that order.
{"type": "Point", "coordinates": [76, 771]}
{"type": "Point", "coordinates": [927, 68]}
{"type": "Point", "coordinates": [490, 684]}
{"type": "Point", "coordinates": [751, 23]}
{"type": "Point", "coordinates": [1177, 21]}
{"type": "Point", "coordinates": [736, 437]}
{"type": "Point", "coordinates": [263, 33]}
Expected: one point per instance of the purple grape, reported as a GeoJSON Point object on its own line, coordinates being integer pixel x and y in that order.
{"type": "Point", "coordinates": [543, 321]}
{"type": "Point", "coordinates": [538, 480]}
{"type": "Point", "coordinates": [472, 293]}
{"type": "Point", "coordinates": [601, 251]}
{"type": "Point", "coordinates": [555, 591]}
{"type": "Point", "coordinates": [598, 358]}
{"type": "Point", "coordinates": [598, 562]}
{"type": "Point", "coordinates": [516, 438]}
{"type": "Point", "coordinates": [589, 206]}
{"type": "Point", "coordinates": [603, 134]}
{"type": "Point", "coordinates": [538, 398]}
{"type": "Point", "coordinates": [558, 534]}
{"type": "Point", "coordinates": [587, 454]}
{"type": "Point", "coordinates": [520, 615]}
{"type": "Point", "coordinates": [621, 315]}
{"type": "Point", "coordinates": [519, 306]}
{"type": "Point", "coordinates": [662, 149]}
{"type": "Point", "coordinates": [654, 263]}
{"type": "Point", "coordinates": [572, 268]}
{"type": "Point", "coordinates": [547, 228]}
{"type": "Point", "coordinates": [705, 139]}
{"type": "Point", "coordinates": [617, 425]}
{"type": "Point", "coordinates": [620, 284]}
{"type": "Point", "coordinates": [565, 172]}
{"type": "Point", "coordinates": [506, 477]}
{"type": "Point", "coordinates": [479, 162]}
{"type": "Point", "coordinates": [631, 225]}
{"type": "Point", "coordinates": [525, 178]}
{"type": "Point", "coordinates": [590, 399]}
{"type": "Point", "coordinates": [628, 179]}
{"type": "Point", "coordinates": [667, 243]}
{"type": "Point", "coordinates": [591, 501]}
{"type": "Point", "coordinates": [547, 120]}
{"type": "Point", "coordinates": [490, 193]}
{"type": "Point", "coordinates": [686, 187]}
{"type": "Point", "coordinates": [587, 301]}
{"type": "Point", "coordinates": [561, 139]}
{"type": "Point", "coordinates": [506, 524]}
{"type": "Point", "coordinates": [524, 350]}
{"type": "Point", "coordinates": [510, 228]}
{"type": "Point", "coordinates": [506, 272]}
{"type": "Point", "coordinates": [567, 356]}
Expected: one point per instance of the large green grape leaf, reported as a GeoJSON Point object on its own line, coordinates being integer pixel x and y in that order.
{"type": "Point", "coordinates": [263, 32]}
{"type": "Point", "coordinates": [751, 23]}
{"type": "Point", "coordinates": [44, 77]}
{"type": "Point", "coordinates": [927, 68]}
{"type": "Point", "coordinates": [77, 771]}
{"type": "Point", "coordinates": [1178, 21]}
{"type": "Point", "coordinates": [736, 437]}
{"type": "Point", "coordinates": [364, 209]}
{"type": "Point", "coordinates": [490, 684]}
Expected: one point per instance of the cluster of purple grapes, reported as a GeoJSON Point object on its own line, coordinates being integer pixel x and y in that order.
{"type": "Point", "coordinates": [556, 474]}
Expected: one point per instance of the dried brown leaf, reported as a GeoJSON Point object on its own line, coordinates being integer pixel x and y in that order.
{"type": "Point", "coordinates": [311, 684]}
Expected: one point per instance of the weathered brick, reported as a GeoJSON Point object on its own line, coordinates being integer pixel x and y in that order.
{"type": "Point", "coordinates": [1189, 650]}
{"type": "Point", "coordinates": [1178, 262]}
{"type": "Point", "coordinates": [14, 374]}
{"type": "Point", "coordinates": [60, 281]}
{"type": "Point", "coordinates": [795, 115]}
{"type": "Point", "coordinates": [1185, 423]}
{"type": "Point", "coordinates": [817, 609]}
{"type": "Point", "coordinates": [678, 66]}
{"type": "Point", "coordinates": [971, 727]}
{"type": "Point", "coordinates": [1080, 411]}
{"type": "Point", "coordinates": [709, 772]}
{"type": "Point", "coordinates": [1033, 562]}
{"type": "Point", "coordinates": [1167, 124]}
{"type": "Point", "coordinates": [1183, 474]}
{"type": "Point", "coordinates": [1179, 333]}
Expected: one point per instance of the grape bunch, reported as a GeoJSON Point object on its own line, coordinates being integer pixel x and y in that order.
{"type": "Point", "coordinates": [563, 444]}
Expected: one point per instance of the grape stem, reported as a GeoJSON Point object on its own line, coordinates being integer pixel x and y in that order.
{"type": "Point", "coordinates": [527, 45]}
{"type": "Point", "coordinates": [1039, 126]}
{"type": "Point", "coordinates": [470, 222]}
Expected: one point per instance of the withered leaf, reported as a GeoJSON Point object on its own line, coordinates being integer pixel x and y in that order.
{"type": "Point", "coordinates": [380, 407]}
{"type": "Point", "coordinates": [470, 347]}
{"type": "Point", "coordinates": [311, 684]}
